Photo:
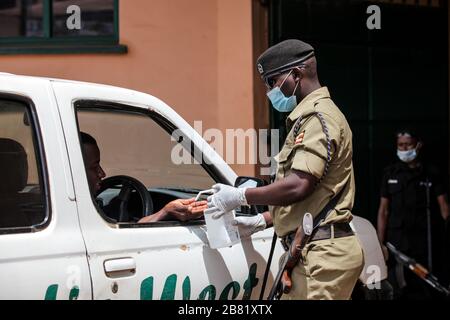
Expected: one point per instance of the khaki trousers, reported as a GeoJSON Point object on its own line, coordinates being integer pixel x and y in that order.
{"type": "Point", "coordinates": [330, 270]}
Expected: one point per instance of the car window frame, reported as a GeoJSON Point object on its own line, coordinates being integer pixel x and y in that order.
{"type": "Point", "coordinates": [41, 163]}
{"type": "Point", "coordinates": [165, 124]}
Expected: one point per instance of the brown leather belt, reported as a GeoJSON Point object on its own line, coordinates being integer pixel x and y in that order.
{"type": "Point", "coordinates": [341, 230]}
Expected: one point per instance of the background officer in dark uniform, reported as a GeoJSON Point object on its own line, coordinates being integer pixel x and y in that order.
{"type": "Point", "coordinates": [402, 215]}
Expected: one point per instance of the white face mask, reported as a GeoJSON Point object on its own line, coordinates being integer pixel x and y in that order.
{"type": "Point", "coordinates": [407, 156]}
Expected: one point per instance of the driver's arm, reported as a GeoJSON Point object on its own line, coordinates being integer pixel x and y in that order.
{"type": "Point", "coordinates": [181, 210]}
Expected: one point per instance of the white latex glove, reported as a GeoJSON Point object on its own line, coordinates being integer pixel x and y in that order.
{"type": "Point", "coordinates": [225, 199]}
{"type": "Point", "coordinates": [250, 225]}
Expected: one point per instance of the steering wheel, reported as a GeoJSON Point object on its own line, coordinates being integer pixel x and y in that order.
{"type": "Point", "coordinates": [128, 185]}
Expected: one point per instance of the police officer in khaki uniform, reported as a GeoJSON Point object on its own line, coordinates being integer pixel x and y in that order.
{"type": "Point", "coordinates": [314, 174]}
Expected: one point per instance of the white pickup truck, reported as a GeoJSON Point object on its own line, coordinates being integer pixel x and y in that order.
{"type": "Point", "coordinates": [57, 243]}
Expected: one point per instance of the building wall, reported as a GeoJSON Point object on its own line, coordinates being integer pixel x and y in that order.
{"type": "Point", "coordinates": [196, 55]}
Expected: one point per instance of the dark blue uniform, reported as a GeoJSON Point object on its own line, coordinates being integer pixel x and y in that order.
{"type": "Point", "coordinates": [407, 221]}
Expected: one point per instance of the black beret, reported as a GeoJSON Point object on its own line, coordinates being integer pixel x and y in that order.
{"type": "Point", "coordinates": [283, 56]}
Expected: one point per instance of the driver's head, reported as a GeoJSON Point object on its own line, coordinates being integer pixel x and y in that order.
{"type": "Point", "coordinates": [91, 153]}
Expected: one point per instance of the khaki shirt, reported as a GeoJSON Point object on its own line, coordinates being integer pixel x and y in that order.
{"type": "Point", "coordinates": [308, 153]}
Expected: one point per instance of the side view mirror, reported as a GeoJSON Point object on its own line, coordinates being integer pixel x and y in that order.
{"type": "Point", "coordinates": [252, 182]}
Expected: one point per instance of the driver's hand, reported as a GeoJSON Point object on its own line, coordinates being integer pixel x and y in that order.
{"type": "Point", "coordinates": [181, 209]}
{"type": "Point", "coordinates": [185, 209]}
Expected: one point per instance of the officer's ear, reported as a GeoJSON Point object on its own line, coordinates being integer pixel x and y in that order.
{"type": "Point", "coordinates": [298, 73]}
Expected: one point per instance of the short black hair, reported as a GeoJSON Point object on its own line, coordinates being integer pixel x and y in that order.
{"type": "Point", "coordinates": [408, 131]}
{"type": "Point", "coordinates": [87, 138]}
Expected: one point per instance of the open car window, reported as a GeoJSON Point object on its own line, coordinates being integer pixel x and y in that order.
{"type": "Point", "coordinates": [138, 144]}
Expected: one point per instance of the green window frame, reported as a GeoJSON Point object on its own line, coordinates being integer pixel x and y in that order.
{"type": "Point", "coordinates": [47, 44]}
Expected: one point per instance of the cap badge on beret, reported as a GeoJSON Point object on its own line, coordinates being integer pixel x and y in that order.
{"type": "Point", "coordinates": [260, 68]}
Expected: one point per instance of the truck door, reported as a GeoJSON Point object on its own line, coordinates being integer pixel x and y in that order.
{"type": "Point", "coordinates": [42, 251]}
{"type": "Point", "coordinates": [160, 260]}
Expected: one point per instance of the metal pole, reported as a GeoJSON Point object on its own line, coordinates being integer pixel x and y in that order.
{"type": "Point", "coordinates": [430, 254]}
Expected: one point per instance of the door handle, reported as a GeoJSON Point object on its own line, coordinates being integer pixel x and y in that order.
{"type": "Point", "coordinates": [120, 268]}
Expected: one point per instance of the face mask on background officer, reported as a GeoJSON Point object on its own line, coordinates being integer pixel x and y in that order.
{"type": "Point", "coordinates": [408, 148]}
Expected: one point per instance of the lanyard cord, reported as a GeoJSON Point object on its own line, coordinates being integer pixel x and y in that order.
{"type": "Point", "coordinates": [327, 136]}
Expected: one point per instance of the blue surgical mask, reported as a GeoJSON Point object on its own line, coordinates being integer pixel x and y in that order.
{"type": "Point", "coordinates": [407, 156]}
{"type": "Point", "coordinates": [278, 99]}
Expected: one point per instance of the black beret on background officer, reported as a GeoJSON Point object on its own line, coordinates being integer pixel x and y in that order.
{"type": "Point", "coordinates": [314, 174]}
